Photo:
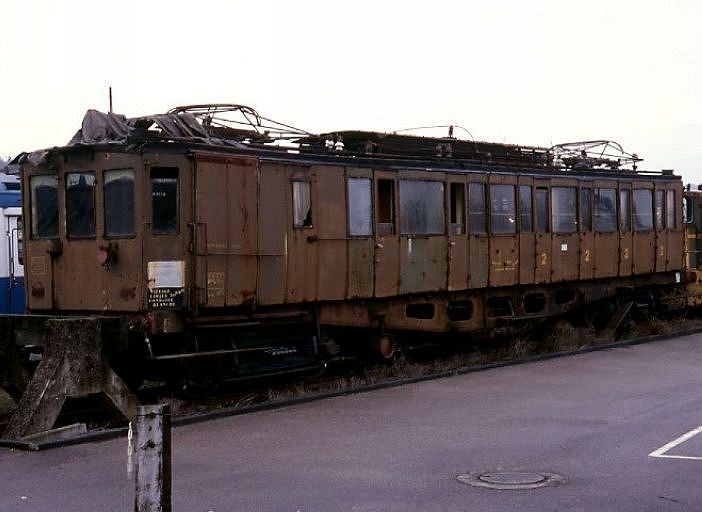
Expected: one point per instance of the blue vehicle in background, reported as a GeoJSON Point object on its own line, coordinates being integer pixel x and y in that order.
{"type": "Point", "coordinates": [11, 264]}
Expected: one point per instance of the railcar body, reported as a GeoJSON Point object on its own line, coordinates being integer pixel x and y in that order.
{"type": "Point", "coordinates": [207, 239]}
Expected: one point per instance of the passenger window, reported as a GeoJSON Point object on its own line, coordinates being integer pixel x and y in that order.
{"type": "Point", "coordinates": [564, 213]}
{"type": "Point", "coordinates": [119, 203]}
{"type": "Point", "coordinates": [302, 204]}
{"type": "Point", "coordinates": [625, 210]}
{"type": "Point", "coordinates": [458, 208]}
{"type": "Point", "coordinates": [605, 210]}
{"type": "Point", "coordinates": [385, 213]}
{"type": "Point", "coordinates": [525, 209]}
{"type": "Point", "coordinates": [670, 209]}
{"type": "Point", "coordinates": [80, 204]}
{"type": "Point", "coordinates": [503, 214]}
{"type": "Point", "coordinates": [360, 207]}
{"type": "Point", "coordinates": [44, 203]}
{"type": "Point", "coordinates": [164, 200]}
{"type": "Point", "coordinates": [542, 210]}
{"type": "Point", "coordinates": [421, 207]}
{"type": "Point", "coordinates": [659, 209]}
{"type": "Point", "coordinates": [477, 221]}
{"type": "Point", "coordinates": [643, 210]}
{"type": "Point", "coordinates": [585, 209]}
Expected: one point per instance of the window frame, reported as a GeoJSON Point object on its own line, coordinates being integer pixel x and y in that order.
{"type": "Point", "coordinates": [430, 229]}
{"type": "Point", "coordinates": [350, 213]}
{"type": "Point", "coordinates": [33, 221]}
{"type": "Point", "coordinates": [165, 170]}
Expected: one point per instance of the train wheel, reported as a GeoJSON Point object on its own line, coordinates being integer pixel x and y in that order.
{"type": "Point", "coordinates": [385, 347]}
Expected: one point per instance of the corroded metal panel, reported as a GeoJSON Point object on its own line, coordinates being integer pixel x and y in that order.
{"type": "Point", "coordinates": [360, 268]}
{"type": "Point", "coordinates": [587, 260]}
{"type": "Point", "coordinates": [331, 233]}
{"type": "Point", "coordinates": [227, 216]}
{"type": "Point", "coordinates": [478, 261]}
{"type": "Point", "coordinates": [542, 269]}
{"type": "Point", "coordinates": [274, 219]}
{"type": "Point", "coordinates": [458, 262]}
{"type": "Point", "coordinates": [565, 253]}
{"type": "Point", "coordinates": [606, 247]}
{"type": "Point", "coordinates": [644, 248]}
{"type": "Point", "coordinates": [504, 260]}
{"type": "Point", "coordinates": [422, 264]}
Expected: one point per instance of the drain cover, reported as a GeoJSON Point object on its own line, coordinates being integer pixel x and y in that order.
{"type": "Point", "coordinates": [518, 480]}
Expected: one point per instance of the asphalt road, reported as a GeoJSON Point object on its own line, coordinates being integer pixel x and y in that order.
{"type": "Point", "coordinates": [593, 418]}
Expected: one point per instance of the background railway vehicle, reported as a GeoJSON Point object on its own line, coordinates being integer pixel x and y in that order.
{"type": "Point", "coordinates": [11, 268]}
{"type": "Point", "coordinates": [220, 239]}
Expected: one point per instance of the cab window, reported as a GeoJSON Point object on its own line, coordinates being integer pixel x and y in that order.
{"type": "Point", "coordinates": [80, 204]}
{"type": "Point", "coordinates": [164, 200]}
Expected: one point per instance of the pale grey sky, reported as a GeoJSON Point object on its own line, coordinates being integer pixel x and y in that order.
{"type": "Point", "coordinates": [529, 72]}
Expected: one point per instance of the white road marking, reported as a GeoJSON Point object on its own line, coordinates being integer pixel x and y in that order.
{"type": "Point", "coordinates": [661, 452]}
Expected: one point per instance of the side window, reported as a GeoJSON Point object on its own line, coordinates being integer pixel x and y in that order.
{"type": "Point", "coordinates": [302, 204]}
{"type": "Point", "coordinates": [385, 207]}
{"type": "Point", "coordinates": [542, 210]}
{"type": "Point", "coordinates": [564, 208]}
{"type": "Point", "coordinates": [164, 200]}
{"type": "Point", "coordinates": [503, 213]}
{"type": "Point", "coordinates": [659, 209]}
{"type": "Point", "coordinates": [476, 208]}
{"type": "Point", "coordinates": [525, 209]}
{"type": "Point", "coordinates": [458, 208]}
{"type": "Point", "coordinates": [119, 202]}
{"type": "Point", "coordinates": [44, 203]}
{"type": "Point", "coordinates": [80, 204]}
{"type": "Point", "coordinates": [585, 209]}
{"type": "Point", "coordinates": [421, 207]}
{"type": "Point", "coordinates": [605, 210]}
{"type": "Point", "coordinates": [360, 207]}
{"type": "Point", "coordinates": [625, 210]}
{"type": "Point", "coordinates": [643, 209]}
{"type": "Point", "coordinates": [671, 205]}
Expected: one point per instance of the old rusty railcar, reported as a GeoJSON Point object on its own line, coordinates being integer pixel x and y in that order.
{"type": "Point", "coordinates": [209, 238]}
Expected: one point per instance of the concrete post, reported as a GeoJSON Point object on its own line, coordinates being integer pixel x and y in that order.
{"type": "Point", "coordinates": [153, 459]}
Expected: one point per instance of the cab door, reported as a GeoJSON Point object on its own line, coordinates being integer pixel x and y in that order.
{"type": "Point", "coordinates": [386, 259]}
{"type": "Point", "coordinates": [478, 248]}
{"type": "Point", "coordinates": [627, 254]}
{"type": "Point", "coordinates": [504, 241]}
{"type": "Point", "coordinates": [644, 237]}
{"type": "Point", "coordinates": [167, 195]}
{"type": "Point", "coordinates": [587, 236]}
{"type": "Point", "coordinates": [565, 250]}
{"type": "Point", "coordinates": [542, 217]}
{"type": "Point", "coordinates": [606, 250]}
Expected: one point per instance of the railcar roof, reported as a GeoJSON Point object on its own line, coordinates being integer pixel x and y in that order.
{"type": "Point", "coordinates": [232, 128]}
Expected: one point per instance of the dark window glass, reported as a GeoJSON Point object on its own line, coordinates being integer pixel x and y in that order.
{"type": "Point", "coordinates": [458, 208]}
{"type": "Point", "coordinates": [503, 212]}
{"type": "Point", "coordinates": [119, 202]}
{"type": "Point", "coordinates": [44, 190]}
{"type": "Point", "coordinates": [80, 204]}
{"type": "Point", "coordinates": [564, 209]}
{"type": "Point", "coordinates": [360, 207]}
{"type": "Point", "coordinates": [585, 209]}
{"type": "Point", "coordinates": [421, 207]}
{"type": "Point", "coordinates": [605, 210]}
{"type": "Point", "coordinates": [164, 200]}
{"type": "Point", "coordinates": [670, 208]}
{"type": "Point", "coordinates": [302, 204]}
{"type": "Point", "coordinates": [525, 211]}
{"type": "Point", "coordinates": [541, 210]}
{"type": "Point", "coordinates": [385, 213]}
{"type": "Point", "coordinates": [643, 210]}
{"type": "Point", "coordinates": [476, 208]}
{"type": "Point", "coordinates": [659, 209]}
{"type": "Point", "coordinates": [625, 210]}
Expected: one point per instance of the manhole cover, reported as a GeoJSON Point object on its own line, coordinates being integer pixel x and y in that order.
{"type": "Point", "coordinates": [511, 479]}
